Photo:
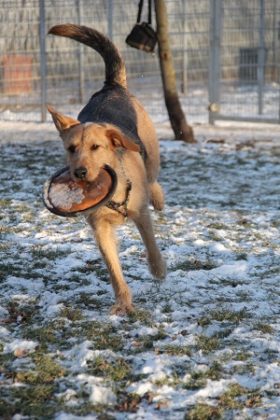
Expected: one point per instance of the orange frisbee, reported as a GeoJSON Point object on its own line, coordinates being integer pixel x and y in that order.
{"type": "Point", "coordinates": [65, 197]}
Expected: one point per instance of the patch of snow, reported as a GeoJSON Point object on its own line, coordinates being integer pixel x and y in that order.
{"type": "Point", "coordinates": [27, 346]}
{"type": "Point", "coordinates": [98, 393]}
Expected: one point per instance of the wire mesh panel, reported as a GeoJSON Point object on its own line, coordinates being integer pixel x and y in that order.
{"type": "Point", "coordinates": [116, 19]}
{"type": "Point", "coordinates": [36, 68]}
{"type": "Point", "coordinates": [74, 71]}
{"type": "Point", "coordinates": [249, 56]}
{"type": "Point", "coordinates": [19, 58]}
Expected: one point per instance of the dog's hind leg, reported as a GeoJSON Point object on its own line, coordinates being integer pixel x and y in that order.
{"type": "Point", "coordinates": [156, 262]}
{"type": "Point", "coordinates": [156, 196]}
{"type": "Point", "coordinates": [106, 239]}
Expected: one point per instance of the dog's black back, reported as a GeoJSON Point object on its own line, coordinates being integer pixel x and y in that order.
{"type": "Point", "coordinates": [113, 105]}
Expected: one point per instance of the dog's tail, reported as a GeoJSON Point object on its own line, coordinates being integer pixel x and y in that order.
{"type": "Point", "coordinates": [114, 64]}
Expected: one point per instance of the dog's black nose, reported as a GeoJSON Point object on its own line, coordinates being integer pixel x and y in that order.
{"type": "Point", "coordinates": [80, 172]}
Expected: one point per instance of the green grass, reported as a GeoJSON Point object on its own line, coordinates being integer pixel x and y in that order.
{"type": "Point", "coordinates": [242, 356]}
{"type": "Point", "coordinates": [198, 379]}
{"type": "Point", "coordinates": [223, 315]}
{"type": "Point", "coordinates": [142, 316]}
{"type": "Point", "coordinates": [194, 264]}
{"type": "Point", "coordinates": [73, 314]}
{"type": "Point", "coordinates": [263, 327]}
{"type": "Point", "coordinates": [207, 344]}
{"type": "Point", "coordinates": [88, 301]}
{"type": "Point", "coordinates": [36, 394]}
{"type": "Point", "coordinates": [115, 371]}
{"type": "Point", "coordinates": [44, 335]}
{"type": "Point", "coordinates": [243, 369]}
{"type": "Point", "coordinates": [235, 398]}
{"type": "Point", "coordinates": [23, 313]}
{"type": "Point", "coordinates": [46, 371]}
{"type": "Point", "coordinates": [176, 350]}
{"type": "Point", "coordinates": [39, 253]}
{"type": "Point", "coordinates": [35, 401]}
{"type": "Point", "coordinates": [204, 412]}
{"type": "Point", "coordinates": [148, 342]}
{"type": "Point", "coordinates": [103, 334]}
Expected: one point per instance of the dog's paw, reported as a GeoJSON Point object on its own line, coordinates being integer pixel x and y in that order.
{"type": "Point", "coordinates": [157, 196]}
{"type": "Point", "coordinates": [122, 309]}
{"type": "Point", "coordinates": [158, 268]}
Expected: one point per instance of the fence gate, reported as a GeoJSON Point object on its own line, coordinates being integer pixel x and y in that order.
{"type": "Point", "coordinates": [244, 46]}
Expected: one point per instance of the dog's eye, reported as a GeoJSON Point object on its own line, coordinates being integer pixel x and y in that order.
{"type": "Point", "coordinates": [94, 147]}
{"type": "Point", "coordinates": [72, 149]}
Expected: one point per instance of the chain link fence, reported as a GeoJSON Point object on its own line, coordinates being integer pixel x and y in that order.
{"type": "Point", "coordinates": [36, 69]}
{"type": "Point", "coordinates": [244, 70]}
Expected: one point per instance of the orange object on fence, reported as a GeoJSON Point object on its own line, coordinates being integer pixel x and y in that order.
{"type": "Point", "coordinates": [17, 74]}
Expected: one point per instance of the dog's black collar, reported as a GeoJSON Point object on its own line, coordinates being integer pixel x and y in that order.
{"type": "Point", "coordinates": [121, 208]}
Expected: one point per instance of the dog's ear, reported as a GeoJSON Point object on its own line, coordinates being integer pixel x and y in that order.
{"type": "Point", "coordinates": [62, 122]}
{"type": "Point", "coordinates": [118, 139]}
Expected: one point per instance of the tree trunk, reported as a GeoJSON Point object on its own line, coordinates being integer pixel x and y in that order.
{"type": "Point", "coordinates": [177, 118]}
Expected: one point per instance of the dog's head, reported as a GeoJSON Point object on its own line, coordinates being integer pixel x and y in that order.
{"type": "Point", "coordinates": [89, 146]}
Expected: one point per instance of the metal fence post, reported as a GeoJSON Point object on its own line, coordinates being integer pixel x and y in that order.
{"type": "Point", "coordinates": [81, 55]}
{"type": "Point", "coordinates": [261, 58]}
{"type": "Point", "coordinates": [274, 42]}
{"type": "Point", "coordinates": [279, 107]}
{"type": "Point", "coordinates": [214, 58]}
{"type": "Point", "coordinates": [110, 12]}
{"type": "Point", "coordinates": [185, 54]}
{"type": "Point", "coordinates": [43, 67]}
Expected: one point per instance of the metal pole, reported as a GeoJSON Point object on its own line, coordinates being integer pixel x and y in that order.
{"type": "Point", "coordinates": [279, 107]}
{"type": "Point", "coordinates": [110, 12]}
{"type": "Point", "coordinates": [274, 33]}
{"type": "Point", "coordinates": [214, 58]}
{"type": "Point", "coordinates": [43, 65]}
{"type": "Point", "coordinates": [261, 58]}
{"type": "Point", "coordinates": [185, 55]}
{"type": "Point", "coordinates": [81, 56]}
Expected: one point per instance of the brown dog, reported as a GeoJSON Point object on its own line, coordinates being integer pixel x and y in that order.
{"type": "Point", "coordinates": [114, 129]}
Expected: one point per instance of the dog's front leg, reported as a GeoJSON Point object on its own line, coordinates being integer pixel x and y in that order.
{"type": "Point", "coordinates": [106, 239]}
{"type": "Point", "coordinates": [156, 262]}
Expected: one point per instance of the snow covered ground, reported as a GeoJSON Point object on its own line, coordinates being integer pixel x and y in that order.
{"type": "Point", "coordinates": [204, 344]}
